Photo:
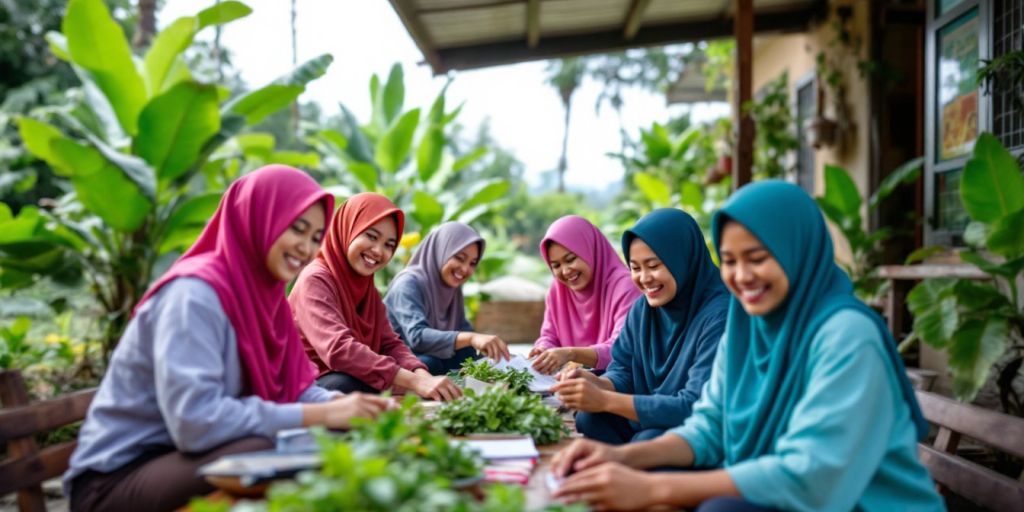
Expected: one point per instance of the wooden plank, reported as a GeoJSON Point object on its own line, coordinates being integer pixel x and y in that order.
{"type": "Point", "coordinates": [14, 394]}
{"type": "Point", "coordinates": [44, 416]}
{"type": "Point", "coordinates": [406, 13]}
{"type": "Point", "coordinates": [743, 31]}
{"type": "Point", "coordinates": [35, 469]}
{"type": "Point", "coordinates": [990, 427]}
{"type": "Point", "coordinates": [472, 56]}
{"type": "Point", "coordinates": [930, 271]}
{"type": "Point", "coordinates": [634, 18]}
{"type": "Point", "coordinates": [976, 483]}
{"type": "Point", "coordinates": [533, 23]}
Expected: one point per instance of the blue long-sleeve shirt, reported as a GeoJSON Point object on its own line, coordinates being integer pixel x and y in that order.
{"type": "Point", "coordinates": [408, 316]}
{"type": "Point", "coordinates": [850, 443]}
{"type": "Point", "coordinates": [666, 400]}
{"type": "Point", "coordinates": [175, 379]}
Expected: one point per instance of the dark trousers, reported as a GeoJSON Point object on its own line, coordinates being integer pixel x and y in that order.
{"type": "Point", "coordinates": [730, 504]}
{"type": "Point", "coordinates": [438, 366]}
{"type": "Point", "coordinates": [162, 480]}
{"type": "Point", "coordinates": [612, 428]}
{"type": "Point", "coordinates": [337, 381]}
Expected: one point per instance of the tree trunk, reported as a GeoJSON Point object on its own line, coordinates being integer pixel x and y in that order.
{"type": "Point", "coordinates": [563, 163]}
{"type": "Point", "coordinates": [146, 29]}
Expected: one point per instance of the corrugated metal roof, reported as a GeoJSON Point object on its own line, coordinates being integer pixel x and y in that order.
{"type": "Point", "coordinates": [464, 34]}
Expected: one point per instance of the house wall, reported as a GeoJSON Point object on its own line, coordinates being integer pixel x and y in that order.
{"type": "Point", "coordinates": [795, 54]}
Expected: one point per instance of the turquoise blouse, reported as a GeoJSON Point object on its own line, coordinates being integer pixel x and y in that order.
{"type": "Point", "coordinates": [850, 443]}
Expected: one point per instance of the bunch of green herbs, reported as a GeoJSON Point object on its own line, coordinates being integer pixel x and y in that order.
{"type": "Point", "coordinates": [498, 410]}
{"type": "Point", "coordinates": [517, 381]}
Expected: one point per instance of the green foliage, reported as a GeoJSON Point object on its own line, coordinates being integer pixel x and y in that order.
{"type": "Point", "coordinates": [516, 381]}
{"type": "Point", "coordinates": [842, 203]}
{"type": "Point", "coordinates": [774, 130]}
{"type": "Point", "coordinates": [405, 436]}
{"type": "Point", "coordinates": [397, 462]}
{"type": "Point", "coordinates": [502, 411]}
{"type": "Point", "coordinates": [128, 149]}
{"type": "Point", "coordinates": [407, 157]}
{"type": "Point", "coordinates": [980, 323]}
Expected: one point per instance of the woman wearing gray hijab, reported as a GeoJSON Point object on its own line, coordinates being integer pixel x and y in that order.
{"type": "Point", "coordinates": [425, 304]}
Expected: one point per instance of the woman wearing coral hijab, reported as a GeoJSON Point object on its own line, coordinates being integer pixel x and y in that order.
{"type": "Point", "coordinates": [808, 406]}
{"type": "Point", "coordinates": [341, 317]}
{"type": "Point", "coordinates": [211, 363]}
{"type": "Point", "coordinates": [588, 302]}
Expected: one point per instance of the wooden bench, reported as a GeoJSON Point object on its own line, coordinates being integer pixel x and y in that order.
{"type": "Point", "coordinates": [25, 467]}
{"type": "Point", "coordinates": [960, 476]}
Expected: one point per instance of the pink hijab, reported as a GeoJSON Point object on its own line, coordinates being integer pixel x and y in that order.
{"type": "Point", "coordinates": [230, 255]}
{"type": "Point", "coordinates": [594, 316]}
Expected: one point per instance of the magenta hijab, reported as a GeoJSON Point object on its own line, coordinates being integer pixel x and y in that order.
{"type": "Point", "coordinates": [230, 255]}
{"type": "Point", "coordinates": [590, 316]}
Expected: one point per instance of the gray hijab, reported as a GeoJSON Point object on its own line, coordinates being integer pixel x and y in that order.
{"type": "Point", "coordinates": [444, 305]}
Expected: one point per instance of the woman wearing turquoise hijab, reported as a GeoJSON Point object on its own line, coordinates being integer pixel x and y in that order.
{"type": "Point", "coordinates": [808, 406]}
{"type": "Point", "coordinates": [664, 352]}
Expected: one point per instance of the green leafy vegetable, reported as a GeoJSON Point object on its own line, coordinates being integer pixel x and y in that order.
{"type": "Point", "coordinates": [517, 381]}
{"type": "Point", "coordinates": [500, 410]}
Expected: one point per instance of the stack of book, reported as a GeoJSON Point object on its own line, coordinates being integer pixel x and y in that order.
{"type": "Point", "coordinates": [510, 459]}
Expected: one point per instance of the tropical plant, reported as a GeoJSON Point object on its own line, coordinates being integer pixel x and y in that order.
{"type": "Point", "coordinates": [775, 137]}
{"type": "Point", "coordinates": [1005, 73]}
{"type": "Point", "coordinates": [386, 156]}
{"type": "Point", "coordinates": [129, 152]}
{"type": "Point", "coordinates": [566, 75]}
{"type": "Point", "coordinates": [499, 410]}
{"type": "Point", "coordinates": [842, 204]}
{"type": "Point", "coordinates": [980, 324]}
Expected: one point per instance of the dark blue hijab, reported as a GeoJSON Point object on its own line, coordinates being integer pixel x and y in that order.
{"type": "Point", "coordinates": [765, 356]}
{"type": "Point", "coordinates": [667, 351]}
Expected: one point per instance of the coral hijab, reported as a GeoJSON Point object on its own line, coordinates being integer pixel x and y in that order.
{"type": "Point", "coordinates": [361, 305]}
{"type": "Point", "coordinates": [230, 255]}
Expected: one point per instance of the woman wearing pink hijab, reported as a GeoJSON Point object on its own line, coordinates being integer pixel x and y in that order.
{"type": "Point", "coordinates": [588, 302]}
{"type": "Point", "coordinates": [211, 363]}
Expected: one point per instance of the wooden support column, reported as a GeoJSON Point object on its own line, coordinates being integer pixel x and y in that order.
{"type": "Point", "coordinates": [743, 31]}
{"type": "Point", "coordinates": [533, 23]}
{"type": "Point", "coordinates": [634, 18]}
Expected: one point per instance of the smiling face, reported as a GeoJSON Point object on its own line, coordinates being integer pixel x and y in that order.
{"type": "Point", "coordinates": [458, 269]}
{"type": "Point", "coordinates": [650, 274]}
{"type": "Point", "coordinates": [750, 271]}
{"type": "Point", "coordinates": [297, 246]}
{"type": "Point", "coordinates": [373, 248]}
{"type": "Point", "coordinates": [568, 268]}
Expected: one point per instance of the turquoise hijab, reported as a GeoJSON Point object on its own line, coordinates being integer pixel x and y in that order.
{"type": "Point", "coordinates": [665, 333]}
{"type": "Point", "coordinates": [764, 355]}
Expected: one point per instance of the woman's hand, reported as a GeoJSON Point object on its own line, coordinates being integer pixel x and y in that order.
{"type": "Point", "coordinates": [581, 394]}
{"type": "Point", "coordinates": [338, 413]}
{"type": "Point", "coordinates": [435, 387]}
{"type": "Point", "coordinates": [551, 360]}
{"type": "Point", "coordinates": [583, 454]}
{"type": "Point", "coordinates": [490, 346]}
{"type": "Point", "coordinates": [610, 486]}
{"type": "Point", "coordinates": [577, 373]}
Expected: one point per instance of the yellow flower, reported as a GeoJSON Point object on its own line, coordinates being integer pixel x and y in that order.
{"type": "Point", "coordinates": [409, 240]}
{"type": "Point", "coordinates": [52, 339]}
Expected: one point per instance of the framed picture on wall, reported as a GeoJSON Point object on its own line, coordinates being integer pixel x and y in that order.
{"type": "Point", "coordinates": [956, 86]}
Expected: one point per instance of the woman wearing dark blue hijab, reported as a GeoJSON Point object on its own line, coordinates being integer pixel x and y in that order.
{"type": "Point", "coordinates": [808, 406]}
{"type": "Point", "coordinates": [663, 354]}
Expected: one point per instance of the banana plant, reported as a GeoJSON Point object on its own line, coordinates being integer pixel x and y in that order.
{"type": "Point", "coordinates": [980, 324]}
{"type": "Point", "coordinates": [407, 157]}
{"type": "Point", "coordinates": [131, 152]}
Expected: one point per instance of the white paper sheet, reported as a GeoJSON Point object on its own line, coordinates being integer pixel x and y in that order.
{"type": "Point", "coordinates": [496, 449]}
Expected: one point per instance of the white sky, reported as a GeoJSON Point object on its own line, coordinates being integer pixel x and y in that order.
{"type": "Point", "coordinates": [366, 37]}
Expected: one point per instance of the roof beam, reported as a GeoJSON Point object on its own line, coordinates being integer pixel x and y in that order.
{"type": "Point", "coordinates": [412, 24]}
{"type": "Point", "coordinates": [509, 52]}
{"type": "Point", "coordinates": [634, 18]}
{"type": "Point", "coordinates": [533, 23]}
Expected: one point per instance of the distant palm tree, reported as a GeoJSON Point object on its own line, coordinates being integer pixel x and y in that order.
{"type": "Point", "coordinates": [566, 75]}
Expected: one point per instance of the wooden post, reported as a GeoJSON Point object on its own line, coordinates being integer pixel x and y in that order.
{"type": "Point", "coordinates": [743, 31]}
{"type": "Point", "coordinates": [13, 394]}
{"type": "Point", "coordinates": [533, 23]}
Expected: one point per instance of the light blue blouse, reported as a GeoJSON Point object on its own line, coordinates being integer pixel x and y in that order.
{"type": "Point", "coordinates": [175, 379]}
{"type": "Point", "coordinates": [850, 443]}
